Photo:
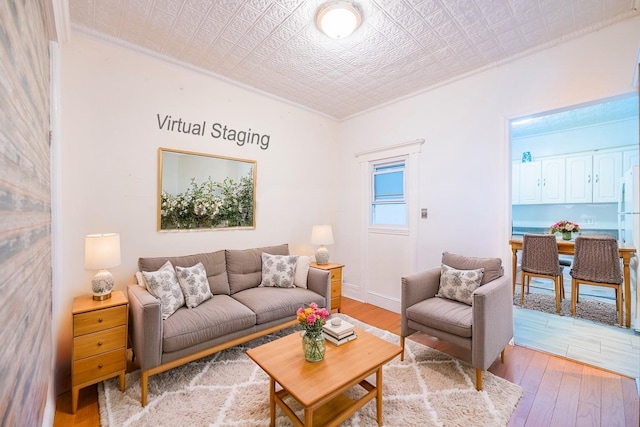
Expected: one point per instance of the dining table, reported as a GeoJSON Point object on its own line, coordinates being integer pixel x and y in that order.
{"type": "Point", "coordinates": [567, 247]}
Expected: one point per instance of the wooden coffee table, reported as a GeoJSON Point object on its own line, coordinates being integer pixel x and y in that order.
{"type": "Point", "coordinates": [319, 386]}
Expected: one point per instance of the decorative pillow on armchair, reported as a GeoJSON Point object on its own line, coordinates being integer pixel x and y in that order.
{"type": "Point", "coordinates": [278, 270]}
{"type": "Point", "coordinates": [194, 284]}
{"type": "Point", "coordinates": [458, 285]}
{"type": "Point", "coordinates": [163, 284]}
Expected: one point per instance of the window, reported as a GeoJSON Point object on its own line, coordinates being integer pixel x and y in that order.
{"type": "Point", "coordinates": [388, 205]}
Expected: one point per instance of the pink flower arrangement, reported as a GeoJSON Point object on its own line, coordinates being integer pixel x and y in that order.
{"type": "Point", "coordinates": [565, 226]}
{"type": "Point", "coordinates": [312, 317]}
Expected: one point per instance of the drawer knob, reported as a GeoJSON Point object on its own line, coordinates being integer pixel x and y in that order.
{"type": "Point", "coordinates": [100, 366]}
{"type": "Point", "coordinates": [100, 320]}
{"type": "Point", "coordinates": [99, 343]}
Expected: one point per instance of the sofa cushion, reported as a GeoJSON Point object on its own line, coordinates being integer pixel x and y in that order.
{"type": "Point", "coordinates": [302, 271]}
{"type": "Point", "coordinates": [244, 267]}
{"type": "Point", "coordinates": [163, 284]}
{"type": "Point", "coordinates": [278, 270]}
{"type": "Point", "coordinates": [271, 304]}
{"type": "Point", "coordinates": [442, 314]}
{"type": "Point", "coordinates": [458, 285]}
{"type": "Point", "coordinates": [213, 318]}
{"type": "Point", "coordinates": [194, 284]}
{"type": "Point", "coordinates": [492, 266]}
{"type": "Point", "coordinates": [214, 263]}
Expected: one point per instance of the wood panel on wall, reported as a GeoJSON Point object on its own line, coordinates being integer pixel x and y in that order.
{"type": "Point", "coordinates": [25, 214]}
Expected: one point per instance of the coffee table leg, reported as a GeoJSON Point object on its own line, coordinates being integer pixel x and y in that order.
{"type": "Point", "coordinates": [379, 396]}
{"type": "Point", "coordinates": [272, 401]}
{"type": "Point", "coordinates": [308, 417]}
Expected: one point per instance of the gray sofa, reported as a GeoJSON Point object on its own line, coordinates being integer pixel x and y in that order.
{"type": "Point", "coordinates": [239, 310]}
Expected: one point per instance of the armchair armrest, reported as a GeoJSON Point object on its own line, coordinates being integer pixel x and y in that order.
{"type": "Point", "coordinates": [145, 322]}
{"type": "Point", "coordinates": [319, 281]}
{"type": "Point", "coordinates": [417, 287]}
{"type": "Point", "coordinates": [492, 321]}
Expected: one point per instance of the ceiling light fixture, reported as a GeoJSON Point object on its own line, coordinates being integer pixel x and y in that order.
{"type": "Point", "coordinates": [338, 19]}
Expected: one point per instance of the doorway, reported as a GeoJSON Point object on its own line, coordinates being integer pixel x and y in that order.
{"type": "Point", "coordinates": [568, 164]}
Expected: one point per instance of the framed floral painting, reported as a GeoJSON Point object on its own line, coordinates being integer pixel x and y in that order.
{"type": "Point", "coordinates": [199, 191]}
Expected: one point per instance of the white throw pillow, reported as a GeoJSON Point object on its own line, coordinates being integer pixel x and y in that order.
{"type": "Point", "coordinates": [194, 284]}
{"type": "Point", "coordinates": [140, 280]}
{"type": "Point", "coordinates": [278, 270]}
{"type": "Point", "coordinates": [302, 271]}
{"type": "Point", "coordinates": [163, 284]}
{"type": "Point", "coordinates": [458, 285]}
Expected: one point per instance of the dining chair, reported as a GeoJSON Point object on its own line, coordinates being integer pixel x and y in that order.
{"type": "Point", "coordinates": [596, 262]}
{"type": "Point", "coordinates": [540, 259]}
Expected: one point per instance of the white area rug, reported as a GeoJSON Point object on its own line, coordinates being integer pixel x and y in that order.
{"type": "Point", "coordinates": [228, 389]}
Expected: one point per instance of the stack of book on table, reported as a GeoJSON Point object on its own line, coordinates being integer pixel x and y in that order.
{"type": "Point", "coordinates": [339, 333]}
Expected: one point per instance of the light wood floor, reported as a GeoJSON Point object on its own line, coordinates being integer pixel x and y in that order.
{"type": "Point", "coordinates": [557, 391]}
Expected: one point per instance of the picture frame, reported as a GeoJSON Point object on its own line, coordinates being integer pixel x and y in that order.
{"type": "Point", "coordinates": [199, 191]}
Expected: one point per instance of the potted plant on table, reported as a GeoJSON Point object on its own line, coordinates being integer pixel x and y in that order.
{"type": "Point", "coordinates": [566, 228]}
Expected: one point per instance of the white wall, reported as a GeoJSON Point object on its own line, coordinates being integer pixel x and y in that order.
{"type": "Point", "coordinates": [465, 163]}
{"type": "Point", "coordinates": [110, 139]}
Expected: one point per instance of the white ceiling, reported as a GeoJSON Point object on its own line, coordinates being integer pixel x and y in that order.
{"type": "Point", "coordinates": [402, 47]}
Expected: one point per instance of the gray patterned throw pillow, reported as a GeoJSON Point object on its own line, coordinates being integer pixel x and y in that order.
{"type": "Point", "coordinates": [163, 284]}
{"type": "Point", "coordinates": [458, 285]}
{"type": "Point", "coordinates": [278, 270]}
{"type": "Point", "coordinates": [194, 284]}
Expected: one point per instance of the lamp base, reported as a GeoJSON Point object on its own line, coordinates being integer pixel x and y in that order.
{"type": "Point", "coordinates": [101, 284]}
{"type": "Point", "coordinates": [322, 256]}
{"type": "Point", "coordinates": [102, 297]}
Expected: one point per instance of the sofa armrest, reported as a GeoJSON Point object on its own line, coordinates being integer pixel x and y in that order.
{"type": "Point", "coordinates": [417, 287]}
{"type": "Point", "coordinates": [319, 281]}
{"type": "Point", "coordinates": [492, 321]}
{"type": "Point", "coordinates": [145, 322]}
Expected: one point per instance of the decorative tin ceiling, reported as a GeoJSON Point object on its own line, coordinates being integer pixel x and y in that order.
{"type": "Point", "coordinates": [402, 47]}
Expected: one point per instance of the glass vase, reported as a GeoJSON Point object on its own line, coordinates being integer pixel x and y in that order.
{"type": "Point", "coordinates": [566, 235]}
{"type": "Point", "coordinates": [314, 345]}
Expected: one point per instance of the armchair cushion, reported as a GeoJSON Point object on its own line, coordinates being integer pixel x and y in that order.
{"type": "Point", "coordinates": [492, 266]}
{"type": "Point", "coordinates": [458, 285]}
{"type": "Point", "coordinates": [444, 315]}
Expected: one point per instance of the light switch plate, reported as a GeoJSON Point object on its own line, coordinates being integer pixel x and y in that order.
{"type": "Point", "coordinates": [423, 213]}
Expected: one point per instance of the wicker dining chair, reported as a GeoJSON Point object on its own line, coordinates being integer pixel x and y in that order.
{"type": "Point", "coordinates": [540, 259]}
{"type": "Point", "coordinates": [596, 262]}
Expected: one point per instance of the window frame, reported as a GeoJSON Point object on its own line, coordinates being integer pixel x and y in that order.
{"type": "Point", "coordinates": [373, 172]}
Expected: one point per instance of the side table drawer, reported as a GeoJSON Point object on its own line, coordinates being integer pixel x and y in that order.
{"type": "Point", "coordinates": [91, 368]}
{"type": "Point", "coordinates": [93, 321]}
{"type": "Point", "coordinates": [336, 275]}
{"type": "Point", "coordinates": [99, 342]}
{"type": "Point", "coordinates": [336, 289]}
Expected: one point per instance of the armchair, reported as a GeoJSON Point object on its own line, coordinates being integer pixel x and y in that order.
{"type": "Point", "coordinates": [484, 328]}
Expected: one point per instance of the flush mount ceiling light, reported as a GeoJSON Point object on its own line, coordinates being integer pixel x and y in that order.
{"type": "Point", "coordinates": [338, 19]}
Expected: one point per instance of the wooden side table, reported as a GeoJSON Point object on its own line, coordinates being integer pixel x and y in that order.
{"type": "Point", "coordinates": [336, 282]}
{"type": "Point", "coordinates": [99, 342]}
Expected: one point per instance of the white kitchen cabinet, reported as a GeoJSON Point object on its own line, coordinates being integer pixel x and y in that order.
{"type": "Point", "coordinates": [553, 181]}
{"type": "Point", "coordinates": [630, 158]}
{"type": "Point", "coordinates": [593, 178]}
{"type": "Point", "coordinates": [607, 172]}
{"type": "Point", "coordinates": [515, 183]}
{"type": "Point", "coordinates": [579, 179]}
{"type": "Point", "coordinates": [530, 183]}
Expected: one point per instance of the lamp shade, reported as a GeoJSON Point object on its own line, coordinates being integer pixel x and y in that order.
{"type": "Point", "coordinates": [101, 251]}
{"type": "Point", "coordinates": [321, 235]}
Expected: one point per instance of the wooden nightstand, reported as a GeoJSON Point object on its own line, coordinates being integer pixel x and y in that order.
{"type": "Point", "coordinates": [99, 342]}
{"type": "Point", "coordinates": [336, 283]}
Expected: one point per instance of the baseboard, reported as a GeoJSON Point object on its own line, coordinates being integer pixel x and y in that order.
{"type": "Point", "coordinates": [383, 301]}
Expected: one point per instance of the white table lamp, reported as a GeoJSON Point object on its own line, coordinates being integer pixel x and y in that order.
{"type": "Point", "coordinates": [322, 235]}
{"type": "Point", "coordinates": [101, 251]}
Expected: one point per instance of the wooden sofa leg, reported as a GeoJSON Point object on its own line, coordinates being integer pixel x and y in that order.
{"type": "Point", "coordinates": [144, 381]}
{"type": "Point", "coordinates": [502, 356]}
{"type": "Point", "coordinates": [402, 345]}
{"type": "Point", "coordinates": [478, 379]}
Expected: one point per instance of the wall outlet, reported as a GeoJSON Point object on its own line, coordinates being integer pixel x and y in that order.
{"type": "Point", "coordinates": [588, 220]}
